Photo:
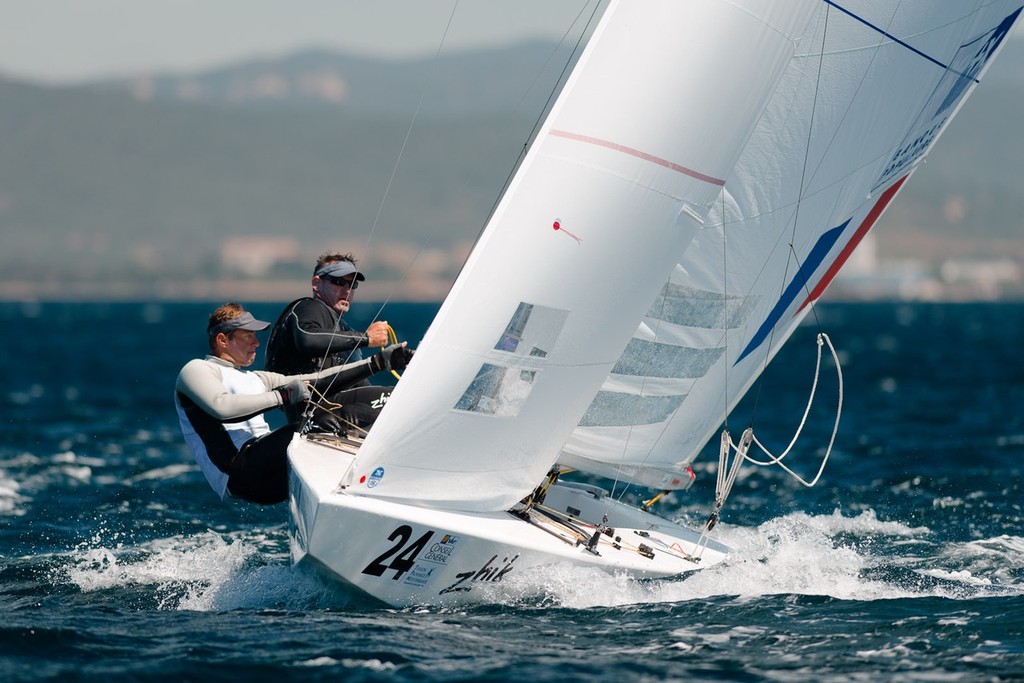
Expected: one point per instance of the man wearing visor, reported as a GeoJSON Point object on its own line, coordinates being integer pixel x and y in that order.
{"type": "Point", "coordinates": [220, 406]}
{"type": "Point", "coordinates": [311, 334]}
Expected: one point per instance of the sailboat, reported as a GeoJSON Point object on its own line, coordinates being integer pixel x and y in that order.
{"type": "Point", "coordinates": [706, 170]}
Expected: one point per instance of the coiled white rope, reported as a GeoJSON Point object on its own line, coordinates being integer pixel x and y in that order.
{"type": "Point", "coordinates": [727, 474]}
{"type": "Point", "coordinates": [777, 460]}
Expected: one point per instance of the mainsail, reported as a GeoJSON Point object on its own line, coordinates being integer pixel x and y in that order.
{"type": "Point", "coordinates": [715, 158]}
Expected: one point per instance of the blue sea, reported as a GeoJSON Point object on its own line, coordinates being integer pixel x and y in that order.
{"type": "Point", "coordinates": [904, 563]}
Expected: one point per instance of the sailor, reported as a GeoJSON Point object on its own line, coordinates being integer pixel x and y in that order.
{"type": "Point", "coordinates": [220, 406]}
{"type": "Point", "coordinates": [311, 334]}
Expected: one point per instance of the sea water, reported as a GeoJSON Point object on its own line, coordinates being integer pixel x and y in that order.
{"type": "Point", "coordinates": [905, 562]}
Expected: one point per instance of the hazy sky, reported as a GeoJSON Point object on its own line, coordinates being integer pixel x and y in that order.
{"type": "Point", "coordinates": [66, 41]}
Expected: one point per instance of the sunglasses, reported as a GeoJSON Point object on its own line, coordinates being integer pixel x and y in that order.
{"type": "Point", "coordinates": [352, 283]}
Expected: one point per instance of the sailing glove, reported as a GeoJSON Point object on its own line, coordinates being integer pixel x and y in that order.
{"type": "Point", "coordinates": [296, 391]}
{"type": "Point", "coordinates": [394, 357]}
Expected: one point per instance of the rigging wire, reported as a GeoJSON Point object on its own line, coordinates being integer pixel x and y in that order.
{"type": "Point", "coordinates": [822, 337]}
{"type": "Point", "coordinates": [726, 474]}
{"type": "Point", "coordinates": [725, 308]}
{"type": "Point", "coordinates": [552, 93]}
{"type": "Point", "coordinates": [412, 124]}
{"type": "Point", "coordinates": [307, 416]}
{"type": "Point", "coordinates": [796, 214]}
{"type": "Point", "coordinates": [324, 404]}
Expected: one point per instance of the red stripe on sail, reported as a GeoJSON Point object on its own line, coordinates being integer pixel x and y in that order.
{"type": "Point", "coordinates": [608, 144]}
{"type": "Point", "coordinates": [872, 216]}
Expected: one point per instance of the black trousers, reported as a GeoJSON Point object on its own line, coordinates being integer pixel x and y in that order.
{"type": "Point", "coordinates": [259, 473]}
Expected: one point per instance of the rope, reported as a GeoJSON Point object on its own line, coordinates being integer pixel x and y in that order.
{"type": "Point", "coordinates": [328, 406]}
{"type": "Point", "coordinates": [727, 473]}
{"type": "Point", "coordinates": [777, 460]}
{"type": "Point", "coordinates": [331, 407]}
{"type": "Point", "coordinates": [392, 339]}
{"type": "Point", "coordinates": [726, 478]}
{"type": "Point", "coordinates": [387, 190]}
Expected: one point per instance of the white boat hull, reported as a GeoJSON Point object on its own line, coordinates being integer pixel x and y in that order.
{"type": "Point", "coordinates": [405, 555]}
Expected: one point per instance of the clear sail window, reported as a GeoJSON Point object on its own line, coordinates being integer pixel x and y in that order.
{"type": "Point", "coordinates": [497, 390]}
{"type": "Point", "coordinates": [532, 330]}
{"type": "Point", "coordinates": [502, 386]}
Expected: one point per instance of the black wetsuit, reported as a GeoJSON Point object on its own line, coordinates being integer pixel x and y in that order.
{"type": "Point", "coordinates": [310, 336]}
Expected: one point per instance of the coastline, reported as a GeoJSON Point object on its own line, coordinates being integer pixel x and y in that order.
{"type": "Point", "coordinates": [226, 289]}
{"type": "Point", "coordinates": [417, 290]}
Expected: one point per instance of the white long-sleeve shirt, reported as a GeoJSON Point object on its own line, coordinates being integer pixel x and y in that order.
{"type": "Point", "coordinates": [220, 407]}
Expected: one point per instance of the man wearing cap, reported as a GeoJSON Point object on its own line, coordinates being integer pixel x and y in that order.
{"type": "Point", "coordinates": [311, 334]}
{"type": "Point", "coordinates": [220, 406]}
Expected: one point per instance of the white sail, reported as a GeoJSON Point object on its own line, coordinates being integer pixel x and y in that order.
{"type": "Point", "coordinates": [869, 90]}
{"type": "Point", "coordinates": [616, 186]}
{"type": "Point", "coordinates": [719, 158]}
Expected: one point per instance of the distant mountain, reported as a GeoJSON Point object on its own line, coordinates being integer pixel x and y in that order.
{"type": "Point", "coordinates": [492, 83]}
{"type": "Point", "coordinates": [150, 177]}
{"type": "Point", "coordinates": [120, 172]}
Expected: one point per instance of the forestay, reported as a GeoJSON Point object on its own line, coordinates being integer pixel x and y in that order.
{"type": "Point", "coordinates": [869, 90]}
{"type": "Point", "coordinates": [616, 186]}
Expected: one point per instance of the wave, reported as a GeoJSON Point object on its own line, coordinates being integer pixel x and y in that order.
{"type": "Point", "coordinates": [11, 499]}
{"type": "Point", "coordinates": [858, 558]}
{"type": "Point", "coordinates": [205, 572]}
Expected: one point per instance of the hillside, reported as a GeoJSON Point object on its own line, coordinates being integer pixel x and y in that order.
{"type": "Point", "coordinates": [148, 179]}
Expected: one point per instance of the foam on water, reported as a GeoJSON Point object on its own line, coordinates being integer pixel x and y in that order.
{"type": "Point", "coordinates": [997, 563]}
{"type": "Point", "coordinates": [162, 473]}
{"type": "Point", "coordinates": [28, 477]}
{"type": "Point", "coordinates": [15, 486]}
{"type": "Point", "coordinates": [10, 497]}
{"type": "Point", "coordinates": [203, 572]}
{"type": "Point", "coordinates": [35, 473]}
{"type": "Point", "coordinates": [847, 558]}
{"type": "Point", "coordinates": [375, 665]}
